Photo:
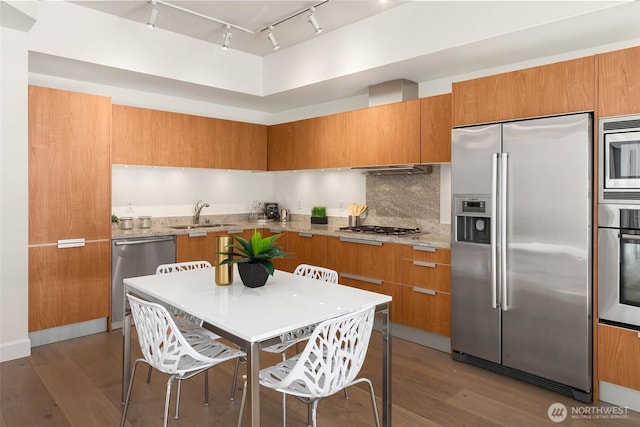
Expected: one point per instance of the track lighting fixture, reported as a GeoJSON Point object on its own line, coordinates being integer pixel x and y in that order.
{"type": "Point", "coordinates": [313, 21]}
{"type": "Point", "coordinates": [151, 23]}
{"type": "Point", "coordinates": [153, 16]}
{"type": "Point", "coordinates": [226, 38]}
{"type": "Point", "coordinates": [272, 39]}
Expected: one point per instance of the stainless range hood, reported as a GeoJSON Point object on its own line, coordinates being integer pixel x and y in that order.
{"type": "Point", "coordinates": [394, 169]}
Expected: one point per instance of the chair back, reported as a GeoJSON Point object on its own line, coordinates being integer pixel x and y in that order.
{"type": "Point", "coordinates": [318, 273]}
{"type": "Point", "coordinates": [333, 356]}
{"type": "Point", "coordinates": [162, 344]}
{"type": "Point", "coordinates": [181, 266]}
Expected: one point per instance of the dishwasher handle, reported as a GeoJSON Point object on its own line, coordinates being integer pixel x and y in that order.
{"type": "Point", "coordinates": [143, 241]}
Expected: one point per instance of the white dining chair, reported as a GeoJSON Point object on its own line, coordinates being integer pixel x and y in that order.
{"type": "Point", "coordinates": [330, 362]}
{"type": "Point", "coordinates": [186, 323]}
{"type": "Point", "coordinates": [292, 338]}
{"type": "Point", "coordinates": [170, 351]}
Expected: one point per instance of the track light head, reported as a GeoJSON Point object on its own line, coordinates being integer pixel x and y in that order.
{"type": "Point", "coordinates": [313, 21]}
{"type": "Point", "coordinates": [153, 16]}
{"type": "Point", "coordinates": [226, 38]}
{"type": "Point", "coordinates": [272, 39]}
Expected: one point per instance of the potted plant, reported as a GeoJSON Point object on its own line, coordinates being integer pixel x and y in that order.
{"type": "Point", "coordinates": [319, 215]}
{"type": "Point", "coordinates": [254, 258]}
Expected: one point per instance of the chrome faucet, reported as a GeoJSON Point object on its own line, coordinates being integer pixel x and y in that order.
{"type": "Point", "coordinates": [199, 206]}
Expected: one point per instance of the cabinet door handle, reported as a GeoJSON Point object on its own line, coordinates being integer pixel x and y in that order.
{"type": "Point", "coordinates": [303, 234]}
{"type": "Point", "coordinates": [425, 264]}
{"type": "Point", "coordinates": [276, 231]}
{"type": "Point", "coordinates": [424, 248]}
{"type": "Point", "coordinates": [361, 278]}
{"type": "Point", "coordinates": [142, 242]}
{"type": "Point", "coordinates": [424, 291]}
{"type": "Point", "coordinates": [71, 243]}
{"type": "Point", "coordinates": [197, 234]}
{"type": "Point", "coordinates": [361, 241]}
{"type": "Point", "coordinates": [235, 231]}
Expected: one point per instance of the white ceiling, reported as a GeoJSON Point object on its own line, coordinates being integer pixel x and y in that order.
{"type": "Point", "coordinates": [250, 15]}
{"type": "Point", "coordinates": [406, 48]}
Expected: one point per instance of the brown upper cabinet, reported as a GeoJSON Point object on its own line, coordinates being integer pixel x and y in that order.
{"type": "Point", "coordinates": [386, 134]}
{"type": "Point", "coordinates": [160, 138]}
{"type": "Point", "coordinates": [563, 87]}
{"type": "Point", "coordinates": [69, 165]}
{"type": "Point", "coordinates": [435, 129]}
{"type": "Point", "coordinates": [619, 82]}
{"type": "Point", "coordinates": [281, 146]}
{"type": "Point", "coordinates": [240, 145]}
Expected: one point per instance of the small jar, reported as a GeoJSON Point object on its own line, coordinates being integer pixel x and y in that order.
{"type": "Point", "coordinates": [145, 221]}
{"type": "Point", "coordinates": [126, 223]}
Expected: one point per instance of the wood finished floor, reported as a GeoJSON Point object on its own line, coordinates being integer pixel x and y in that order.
{"type": "Point", "coordinates": [77, 383]}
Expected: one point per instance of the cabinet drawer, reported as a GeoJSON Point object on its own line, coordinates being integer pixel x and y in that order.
{"type": "Point", "coordinates": [391, 289]}
{"type": "Point", "coordinates": [428, 311]}
{"type": "Point", "coordinates": [427, 253]}
{"type": "Point", "coordinates": [426, 274]}
{"type": "Point", "coordinates": [619, 356]}
{"type": "Point", "coordinates": [365, 258]}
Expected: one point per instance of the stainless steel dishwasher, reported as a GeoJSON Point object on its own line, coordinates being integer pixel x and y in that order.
{"type": "Point", "coordinates": [136, 257]}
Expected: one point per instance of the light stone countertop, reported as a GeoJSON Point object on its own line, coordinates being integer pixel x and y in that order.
{"type": "Point", "coordinates": [161, 229]}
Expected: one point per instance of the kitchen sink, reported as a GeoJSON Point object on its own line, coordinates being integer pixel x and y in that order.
{"type": "Point", "coordinates": [194, 226]}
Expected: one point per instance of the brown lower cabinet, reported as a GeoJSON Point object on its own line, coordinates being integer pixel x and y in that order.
{"type": "Point", "coordinates": [426, 309]}
{"type": "Point", "coordinates": [392, 289]}
{"type": "Point", "coordinates": [306, 248]}
{"type": "Point", "coordinates": [619, 356]}
{"type": "Point", "coordinates": [65, 285]}
{"type": "Point", "coordinates": [202, 245]}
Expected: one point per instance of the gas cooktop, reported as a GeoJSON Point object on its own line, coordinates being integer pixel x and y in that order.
{"type": "Point", "coordinates": [377, 229]}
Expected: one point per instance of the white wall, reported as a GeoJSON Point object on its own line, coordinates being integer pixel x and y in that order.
{"type": "Point", "coordinates": [14, 341]}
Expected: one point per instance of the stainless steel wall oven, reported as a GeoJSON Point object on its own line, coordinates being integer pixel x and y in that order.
{"type": "Point", "coordinates": [619, 159]}
{"type": "Point", "coordinates": [619, 265]}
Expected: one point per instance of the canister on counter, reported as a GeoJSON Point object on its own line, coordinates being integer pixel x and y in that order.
{"type": "Point", "coordinates": [126, 223]}
{"type": "Point", "coordinates": [224, 273]}
{"type": "Point", "coordinates": [145, 221]}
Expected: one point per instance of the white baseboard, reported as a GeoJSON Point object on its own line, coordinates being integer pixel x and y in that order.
{"type": "Point", "coordinates": [621, 396]}
{"type": "Point", "coordinates": [61, 333]}
{"type": "Point", "coordinates": [15, 350]}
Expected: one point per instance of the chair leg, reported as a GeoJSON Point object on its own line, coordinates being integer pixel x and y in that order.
{"type": "Point", "coordinates": [178, 397]}
{"type": "Point", "coordinates": [206, 387]}
{"type": "Point", "coordinates": [149, 375]}
{"type": "Point", "coordinates": [373, 402]}
{"type": "Point", "coordinates": [346, 393]}
{"type": "Point", "coordinates": [168, 398]}
{"type": "Point", "coordinates": [314, 412]}
{"type": "Point", "coordinates": [244, 397]}
{"type": "Point", "coordinates": [128, 398]}
{"type": "Point", "coordinates": [235, 379]}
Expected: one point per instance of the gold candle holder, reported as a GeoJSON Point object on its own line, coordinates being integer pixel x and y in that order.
{"type": "Point", "coordinates": [224, 273]}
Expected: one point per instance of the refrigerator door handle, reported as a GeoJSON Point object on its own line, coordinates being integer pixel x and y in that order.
{"type": "Point", "coordinates": [495, 301]}
{"type": "Point", "coordinates": [504, 172]}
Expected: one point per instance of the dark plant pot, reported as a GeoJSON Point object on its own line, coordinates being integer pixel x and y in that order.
{"type": "Point", "coordinates": [252, 275]}
{"type": "Point", "coordinates": [319, 220]}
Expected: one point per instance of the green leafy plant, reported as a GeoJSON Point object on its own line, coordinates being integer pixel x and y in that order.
{"type": "Point", "coordinates": [258, 250]}
{"type": "Point", "coordinates": [114, 219]}
{"type": "Point", "coordinates": [319, 211]}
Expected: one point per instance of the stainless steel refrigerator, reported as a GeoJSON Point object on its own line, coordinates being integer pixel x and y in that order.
{"type": "Point", "coordinates": [521, 251]}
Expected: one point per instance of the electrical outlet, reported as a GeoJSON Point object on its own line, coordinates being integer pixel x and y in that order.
{"type": "Point", "coordinates": [299, 204]}
{"type": "Point", "coordinates": [341, 204]}
{"type": "Point", "coordinates": [128, 206]}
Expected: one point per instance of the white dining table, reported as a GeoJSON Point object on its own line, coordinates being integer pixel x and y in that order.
{"type": "Point", "coordinates": [255, 317]}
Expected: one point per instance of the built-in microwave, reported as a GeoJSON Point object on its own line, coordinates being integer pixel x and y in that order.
{"type": "Point", "coordinates": [619, 159]}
